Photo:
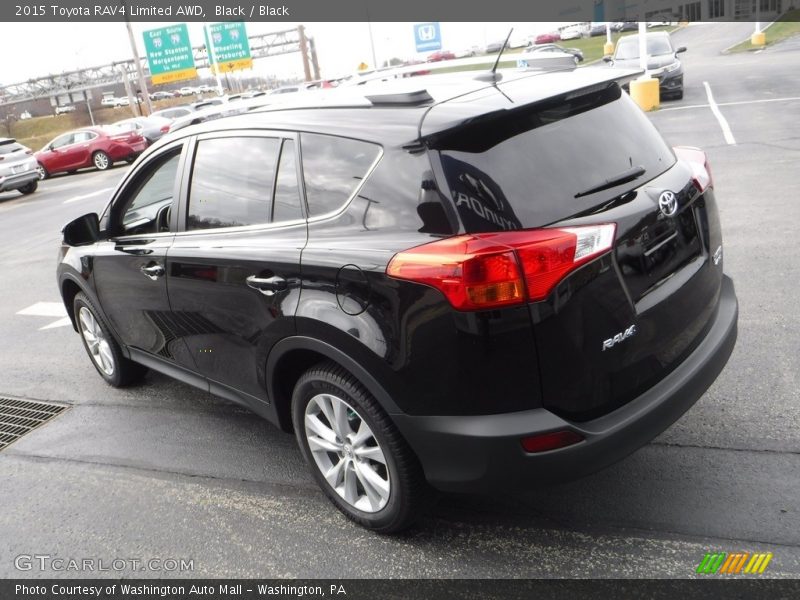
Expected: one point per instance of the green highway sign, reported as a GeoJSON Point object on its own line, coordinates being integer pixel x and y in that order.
{"type": "Point", "coordinates": [169, 54]}
{"type": "Point", "coordinates": [229, 49]}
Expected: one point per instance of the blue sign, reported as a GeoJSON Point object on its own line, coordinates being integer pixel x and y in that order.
{"type": "Point", "coordinates": [427, 37]}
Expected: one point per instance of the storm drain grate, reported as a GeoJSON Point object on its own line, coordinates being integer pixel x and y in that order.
{"type": "Point", "coordinates": [18, 417]}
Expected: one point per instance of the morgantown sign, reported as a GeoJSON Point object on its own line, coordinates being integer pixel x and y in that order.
{"type": "Point", "coordinates": [169, 54]}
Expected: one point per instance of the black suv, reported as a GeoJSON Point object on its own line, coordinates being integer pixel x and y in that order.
{"type": "Point", "coordinates": [475, 286]}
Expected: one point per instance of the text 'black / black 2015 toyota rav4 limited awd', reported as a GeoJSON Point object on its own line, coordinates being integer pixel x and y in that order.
{"type": "Point", "coordinates": [467, 287]}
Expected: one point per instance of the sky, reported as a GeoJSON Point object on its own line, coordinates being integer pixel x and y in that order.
{"type": "Point", "coordinates": [29, 50]}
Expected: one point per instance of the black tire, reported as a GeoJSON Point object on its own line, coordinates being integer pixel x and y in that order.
{"type": "Point", "coordinates": [410, 496]}
{"type": "Point", "coordinates": [43, 174]}
{"type": "Point", "coordinates": [101, 160]}
{"type": "Point", "coordinates": [678, 95]}
{"type": "Point", "coordinates": [29, 188]}
{"type": "Point", "coordinates": [125, 372]}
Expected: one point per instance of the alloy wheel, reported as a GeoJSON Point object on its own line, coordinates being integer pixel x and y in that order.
{"type": "Point", "coordinates": [101, 161]}
{"type": "Point", "coordinates": [96, 342]}
{"type": "Point", "coordinates": [347, 453]}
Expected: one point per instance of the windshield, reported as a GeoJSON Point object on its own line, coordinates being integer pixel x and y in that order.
{"type": "Point", "coordinates": [628, 48]}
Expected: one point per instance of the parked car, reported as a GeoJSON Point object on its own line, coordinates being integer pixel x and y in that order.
{"type": "Point", "coordinates": [662, 62]}
{"type": "Point", "coordinates": [597, 29]}
{"type": "Point", "coordinates": [150, 128]}
{"type": "Point", "coordinates": [161, 95]}
{"type": "Point", "coordinates": [188, 91]}
{"type": "Point", "coordinates": [109, 101]}
{"type": "Point", "coordinates": [17, 167]}
{"type": "Point", "coordinates": [429, 294]}
{"type": "Point", "coordinates": [571, 33]}
{"type": "Point", "coordinates": [64, 109]}
{"type": "Point", "coordinates": [547, 38]}
{"type": "Point", "coordinates": [577, 53]}
{"type": "Point", "coordinates": [494, 47]}
{"type": "Point", "coordinates": [91, 146]}
{"type": "Point", "coordinates": [625, 26]}
{"type": "Point", "coordinates": [440, 55]}
{"type": "Point", "coordinates": [468, 52]}
{"type": "Point", "coordinates": [174, 112]}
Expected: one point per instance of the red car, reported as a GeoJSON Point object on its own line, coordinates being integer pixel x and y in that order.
{"type": "Point", "coordinates": [441, 55]}
{"type": "Point", "coordinates": [547, 38]}
{"type": "Point", "coordinates": [90, 146]}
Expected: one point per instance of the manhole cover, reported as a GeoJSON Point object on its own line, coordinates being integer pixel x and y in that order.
{"type": "Point", "coordinates": [18, 417]}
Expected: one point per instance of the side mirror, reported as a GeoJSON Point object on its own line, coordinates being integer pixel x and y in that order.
{"type": "Point", "coordinates": [608, 59]}
{"type": "Point", "coordinates": [50, 148]}
{"type": "Point", "coordinates": [82, 231]}
{"type": "Point", "coordinates": [681, 49]}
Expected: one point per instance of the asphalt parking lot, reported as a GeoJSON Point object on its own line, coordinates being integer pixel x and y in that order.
{"type": "Point", "coordinates": [165, 471]}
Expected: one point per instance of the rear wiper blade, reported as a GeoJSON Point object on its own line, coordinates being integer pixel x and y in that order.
{"type": "Point", "coordinates": [624, 177]}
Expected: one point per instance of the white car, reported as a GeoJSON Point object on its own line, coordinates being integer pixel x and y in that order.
{"type": "Point", "coordinates": [571, 33]}
{"type": "Point", "coordinates": [66, 108]}
{"type": "Point", "coordinates": [109, 101]}
{"type": "Point", "coordinates": [188, 91]}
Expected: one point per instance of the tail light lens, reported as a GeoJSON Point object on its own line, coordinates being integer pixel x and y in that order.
{"type": "Point", "coordinates": [701, 170]}
{"type": "Point", "coordinates": [491, 270]}
{"type": "Point", "coordinates": [550, 441]}
{"type": "Point", "coordinates": [164, 128]}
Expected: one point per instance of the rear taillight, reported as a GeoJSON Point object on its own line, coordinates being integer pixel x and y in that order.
{"type": "Point", "coordinates": [164, 128]}
{"type": "Point", "coordinates": [698, 160]}
{"type": "Point", "coordinates": [491, 270]}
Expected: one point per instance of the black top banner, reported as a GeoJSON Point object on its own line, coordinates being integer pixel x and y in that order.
{"type": "Point", "coordinates": [286, 11]}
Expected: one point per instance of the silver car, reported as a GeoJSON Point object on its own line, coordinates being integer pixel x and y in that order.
{"type": "Point", "coordinates": [150, 128]}
{"type": "Point", "coordinates": [17, 167]}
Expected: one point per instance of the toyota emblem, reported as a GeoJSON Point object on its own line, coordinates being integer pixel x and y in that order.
{"type": "Point", "coordinates": [668, 203]}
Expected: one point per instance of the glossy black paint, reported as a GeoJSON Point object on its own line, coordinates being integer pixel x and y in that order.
{"type": "Point", "coordinates": [201, 321]}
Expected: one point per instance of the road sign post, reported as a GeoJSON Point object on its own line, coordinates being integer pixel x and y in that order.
{"type": "Point", "coordinates": [169, 54]}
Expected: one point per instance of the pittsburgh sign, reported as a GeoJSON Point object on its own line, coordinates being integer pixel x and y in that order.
{"type": "Point", "coordinates": [228, 47]}
{"type": "Point", "coordinates": [169, 54]}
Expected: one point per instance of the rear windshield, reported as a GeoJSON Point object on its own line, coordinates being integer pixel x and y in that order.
{"type": "Point", "coordinates": [9, 148]}
{"type": "Point", "coordinates": [539, 164]}
{"type": "Point", "coordinates": [629, 47]}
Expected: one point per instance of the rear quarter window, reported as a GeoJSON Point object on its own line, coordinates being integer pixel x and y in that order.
{"type": "Point", "coordinates": [333, 167]}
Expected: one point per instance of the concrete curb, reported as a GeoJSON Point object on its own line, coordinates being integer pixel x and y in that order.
{"type": "Point", "coordinates": [728, 49]}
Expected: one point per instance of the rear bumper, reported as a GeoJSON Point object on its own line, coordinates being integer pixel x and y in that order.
{"type": "Point", "coordinates": [484, 453]}
{"type": "Point", "coordinates": [14, 182]}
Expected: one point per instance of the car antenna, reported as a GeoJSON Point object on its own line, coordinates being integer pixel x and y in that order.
{"type": "Point", "coordinates": [493, 75]}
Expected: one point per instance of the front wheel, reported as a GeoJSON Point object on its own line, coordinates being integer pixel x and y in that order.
{"type": "Point", "coordinates": [355, 453]}
{"type": "Point", "coordinates": [101, 346]}
{"type": "Point", "coordinates": [101, 160]}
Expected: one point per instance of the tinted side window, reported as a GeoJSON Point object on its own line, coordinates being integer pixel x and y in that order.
{"type": "Point", "coordinates": [332, 168]}
{"type": "Point", "coordinates": [287, 190]}
{"type": "Point", "coordinates": [147, 208]}
{"type": "Point", "coordinates": [232, 181]}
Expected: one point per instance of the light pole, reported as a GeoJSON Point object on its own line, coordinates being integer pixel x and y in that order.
{"type": "Point", "coordinates": [137, 63]}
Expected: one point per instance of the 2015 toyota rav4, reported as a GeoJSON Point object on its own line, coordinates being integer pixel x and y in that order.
{"type": "Point", "coordinates": [468, 287]}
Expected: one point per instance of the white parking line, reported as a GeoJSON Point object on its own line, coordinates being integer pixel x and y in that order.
{"type": "Point", "coordinates": [85, 196]}
{"type": "Point", "coordinates": [736, 103]}
{"type": "Point", "coordinates": [723, 123]}
{"type": "Point", "coordinates": [48, 309]}
{"type": "Point", "coordinates": [44, 309]}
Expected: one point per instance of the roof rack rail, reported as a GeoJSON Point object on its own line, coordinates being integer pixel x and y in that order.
{"type": "Point", "coordinates": [405, 98]}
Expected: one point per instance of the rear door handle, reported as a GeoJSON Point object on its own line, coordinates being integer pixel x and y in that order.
{"type": "Point", "coordinates": [153, 271]}
{"type": "Point", "coordinates": [267, 285]}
